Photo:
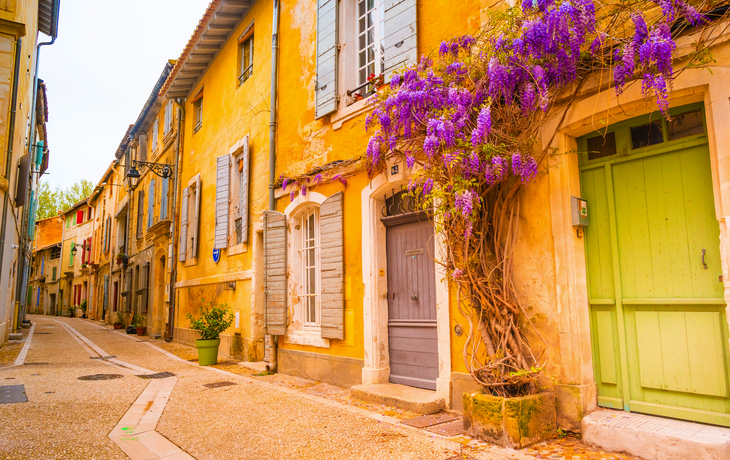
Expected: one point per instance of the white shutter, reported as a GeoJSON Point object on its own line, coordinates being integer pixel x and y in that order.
{"type": "Point", "coordinates": [222, 201]}
{"type": "Point", "coordinates": [332, 264]}
{"type": "Point", "coordinates": [196, 218]}
{"type": "Point", "coordinates": [182, 249]}
{"type": "Point", "coordinates": [155, 133]}
{"type": "Point", "coordinates": [327, 51]}
{"type": "Point", "coordinates": [151, 204]}
{"type": "Point", "coordinates": [399, 38]}
{"type": "Point", "coordinates": [275, 272]}
{"type": "Point", "coordinates": [243, 204]}
{"type": "Point", "coordinates": [163, 198]}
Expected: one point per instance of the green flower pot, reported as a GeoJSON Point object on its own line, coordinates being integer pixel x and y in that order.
{"type": "Point", "coordinates": [207, 351]}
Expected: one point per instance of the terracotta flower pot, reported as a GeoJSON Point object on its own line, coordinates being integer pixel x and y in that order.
{"type": "Point", "coordinates": [141, 330]}
{"type": "Point", "coordinates": [118, 325]}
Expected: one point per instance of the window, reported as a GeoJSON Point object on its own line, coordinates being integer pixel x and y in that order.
{"type": "Point", "coordinates": [189, 217]}
{"type": "Point", "coordinates": [54, 274]}
{"type": "Point", "coordinates": [55, 252]}
{"type": "Point", "coordinates": [600, 146]}
{"type": "Point", "coordinates": [198, 114]}
{"type": "Point", "coordinates": [155, 133]}
{"type": "Point", "coordinates": [309, 257]}
{"type": "Point", "coordinates": [168, 118]}
{"type": "Point", "coordinates": [369, 52]}
{"type": "Point", "coordinates": [245, 50]}
{"type": "Point", "coordinates": [140, 212]}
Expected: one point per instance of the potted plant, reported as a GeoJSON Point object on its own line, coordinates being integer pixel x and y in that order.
{"type": "Point", "coordinates": [138, 323]}
{"type": "Point", "coordinates": [122, 258]}
{"type": "Point", "coordinates": [119, 322]}
{"type": "Point", "coordinates": [83, 307]}
{"type": "Point", "coordinates": [213, 320]}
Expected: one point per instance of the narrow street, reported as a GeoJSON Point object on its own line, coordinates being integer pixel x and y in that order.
{"type": "Point", "coordinates": [66, 417]}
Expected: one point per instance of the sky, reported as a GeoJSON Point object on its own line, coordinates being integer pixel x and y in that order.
{"type": "Point", "coordinates": [100, 72]}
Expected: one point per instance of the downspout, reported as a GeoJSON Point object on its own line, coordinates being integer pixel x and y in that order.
{"type": "Point", "coordinates": [9, 158]}
{"type": "Point", "coordinates": [272, 144]}
{"type": "Point", "coordinates": [173, 234]}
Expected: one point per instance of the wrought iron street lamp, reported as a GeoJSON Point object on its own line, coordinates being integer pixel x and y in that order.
{"type": "Point", "coordinates": [74, 249]}
{"type": "Point", "coordinates": [161, 169]}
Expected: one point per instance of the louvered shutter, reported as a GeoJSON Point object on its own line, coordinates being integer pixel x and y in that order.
{"type": "Point", "coordinates": [128, 281]}
{"type": "Point", "coordinates": [196, 219]}
{"type": "Point", "coordinates": [243, 205]}
{"type": "Point", "coordinates": [182, 247]}
{"type": "Point", "coordinates": [222, 201]}
{"type": "Point", "coordinates": [151, 204]}
{"type": "Point", "coordinates": [332, 265]}
{"type": "Point", "coordinates": [275, 272]}
{"type": "Point", "coordinates": [109, 233]}
{"type": "Point", "coordinates": [140, 212]}
{"type": "Point", "coordinates": [327, 50]}
{"type": "Point", "coordinates": [106, 292]}
{"type": "Point", "coordinates": [163, 198]}
{"type": "Point", "coordinates": [399, 40]}
{"type": "Point", "coordinates": [144, 287]}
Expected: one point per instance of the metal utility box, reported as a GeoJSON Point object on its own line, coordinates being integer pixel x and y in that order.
{"type": "Point", "coordinates": [579, 212]}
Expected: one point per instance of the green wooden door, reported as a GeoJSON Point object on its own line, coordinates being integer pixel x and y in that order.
{"type": "Point", "coordinates": [659, 330]}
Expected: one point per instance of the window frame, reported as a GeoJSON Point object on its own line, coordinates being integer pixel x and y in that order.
{"type": "Point", "coordinates": [246, 44]}
{"type": "Point", "coordinates": [310, 242]}
{"type": "Point", "coordinates": [197, 115]}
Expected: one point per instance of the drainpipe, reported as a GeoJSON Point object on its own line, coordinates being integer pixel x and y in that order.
{"type": "Point", "coordinates": [272, 142]}
{"type": "Point", "coordinates": [173, 235]}
{"type": "Point", "coordinates": [9, 157]}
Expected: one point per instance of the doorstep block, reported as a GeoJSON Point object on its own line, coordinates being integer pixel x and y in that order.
{"type": "Point", "coordinates": [510, 422]}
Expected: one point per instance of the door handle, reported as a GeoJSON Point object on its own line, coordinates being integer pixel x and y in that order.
{"type": "Point", "coordinates": [703, 258]}
{"type": "Point", "coordinates": [414, 296]}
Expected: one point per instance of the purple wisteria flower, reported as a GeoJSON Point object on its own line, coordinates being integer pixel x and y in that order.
{"type": "Point", "coordinates": [292, 195]}
{"type": "Point", "coordinates": [427, 187]}
{"type": "Point", "coordinates": [498, 168]}
{"type": "Point", "coordinates": [304, 190]}
{"type": "Point", "coordinates": [318, 178]}
{"type": "Point", "coordinates": [484, 127]}
{"type": "Point", "coordinates": [284, 183]}
{"type": "Point", "coordinates": [458, 273]}
{"type": "Point", "coordinates": [465, 201]}
{"type": "Point", "coordinates": [410, 161]}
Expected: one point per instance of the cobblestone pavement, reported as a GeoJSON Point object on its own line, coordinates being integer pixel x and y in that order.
{"type": "Point", "coordinates": [255, 416]}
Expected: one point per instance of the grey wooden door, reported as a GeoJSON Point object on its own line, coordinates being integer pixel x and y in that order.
{"type": "Point", "coordinates": [412, 338]}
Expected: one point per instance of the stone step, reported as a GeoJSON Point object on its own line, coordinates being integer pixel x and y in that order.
{"type": "Point", "coordinates": [655, 438]}
{"type": "Point", "coordinates": [404, 397]}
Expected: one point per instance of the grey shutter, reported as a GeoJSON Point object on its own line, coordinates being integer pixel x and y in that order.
{"type": "Point", "coordinates": [275, 272]}
{"type": "Point", "coordinates": [182, 247]}
{"type": "Point", "coordinates": [222, 201]}
{"type": "Point", "coordinates": [106, 292]}
{"type": "Point", "coordinates": [163, 198]}
{"type": "Point", "coordinates": [140, 212]}
{"type": "Point", "coordinates": [243, 205]}
{"type": "Point", "coordinates": [196, 221]}
{"type": "Point", "coordinates": [144, 287]}
{"type": "Point", "coordinates": [332, 263]}
{"type": "Point", "coordinates": [151, 204]}
{"type": "Point", "coordinates": [399, 38]}
{"type": "Point", "coordinates": [327, 50]}
{"type": "Point", "coordinates": [128, 281]}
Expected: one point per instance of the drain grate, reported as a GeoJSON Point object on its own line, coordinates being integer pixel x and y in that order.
{"type": "Point", "coordinates": [35, 364]}
{"type": "Point", "coordinates": [159, 375]}
{"type": "Point", "coordinates": [102, 357]}
{"type": "Point", "coordinates": [11, 394]}
{"type": "Point", "coordinates": [42, 333]}
{"type": "Point", "coordinates": [218, 384]}
{"type": "Point", "coordinates": [101, 377]}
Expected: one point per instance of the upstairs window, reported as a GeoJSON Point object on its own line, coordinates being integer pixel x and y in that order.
{"type": "Point", "coordinates": [368, 42]}
{"type": "Point", "coordinates": [198, 114]}
{"type": "Point", "coordinates": [309, 257]}
{"type": "Point", "coordinates": [245, 51]}
{"type": "Point", "coordinates": [168, 117]}
{"type": "Point", "coordinates": [155, 134]}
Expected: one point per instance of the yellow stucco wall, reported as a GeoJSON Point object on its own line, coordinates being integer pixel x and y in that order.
{"type": "Point", "coordinates": [230, 112]}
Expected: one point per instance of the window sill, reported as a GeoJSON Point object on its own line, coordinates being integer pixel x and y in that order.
{"type": "Point", "coordinates": [237, 249]}
{"type": "Point", "coordinates": [352, 111]}
{"type": "Point", "coordinates": [191, 262]}
{"type": "Point", "coordinates": [312, 339]}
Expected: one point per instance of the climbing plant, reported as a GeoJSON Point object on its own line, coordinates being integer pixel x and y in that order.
{"type": "Point", "coordinates": [466, 122]}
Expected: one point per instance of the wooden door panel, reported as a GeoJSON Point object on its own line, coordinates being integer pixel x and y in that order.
{"type": "Point", "coordinates": [598, 236]}
{"type": "Point", "coordinates": [412, 336]}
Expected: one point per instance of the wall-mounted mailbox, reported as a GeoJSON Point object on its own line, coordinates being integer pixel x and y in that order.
{"type": "Point", "coordinates": [579, 212]}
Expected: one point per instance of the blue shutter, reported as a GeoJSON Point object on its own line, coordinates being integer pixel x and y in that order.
{"type": "Point", "coordinates": [151, 204]}
{"type": "Point", "coordinates": [38, 297]}
{"type": "Point", "coordinates": [326, 87]}
{"type": "Point", "coordinates": [43, 263]}
{"type": "Point", "coordinates": [163, 198]}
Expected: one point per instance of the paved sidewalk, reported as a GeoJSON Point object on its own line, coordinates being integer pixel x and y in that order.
{"type": "Point", "coordinates": [239, 416]}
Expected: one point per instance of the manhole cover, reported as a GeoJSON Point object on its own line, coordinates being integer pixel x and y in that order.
{"type": "Point", "coordinates": [424, 421]}
{"type": "Point", "coordinates": [448, 429]}
{"type": "Point", "coordinates": [10, 394]}
{"type": "Point", "coordinates": [218, 384]}
{"type": "Point", "coordinates": [101, 377]}
{"type": "Point", "coordinates": [159, 375]}
{"type": "Point", "coordinates": [102, 357]}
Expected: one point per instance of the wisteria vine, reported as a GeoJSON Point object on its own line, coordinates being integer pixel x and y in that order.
{"type": "Point", "coordinates": [466, 122]}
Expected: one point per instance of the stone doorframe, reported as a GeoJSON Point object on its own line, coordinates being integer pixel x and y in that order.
{"type": "Point", "coordinates": [596, 111]}
{"type": "Point", "coordinates": [376, 367]}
